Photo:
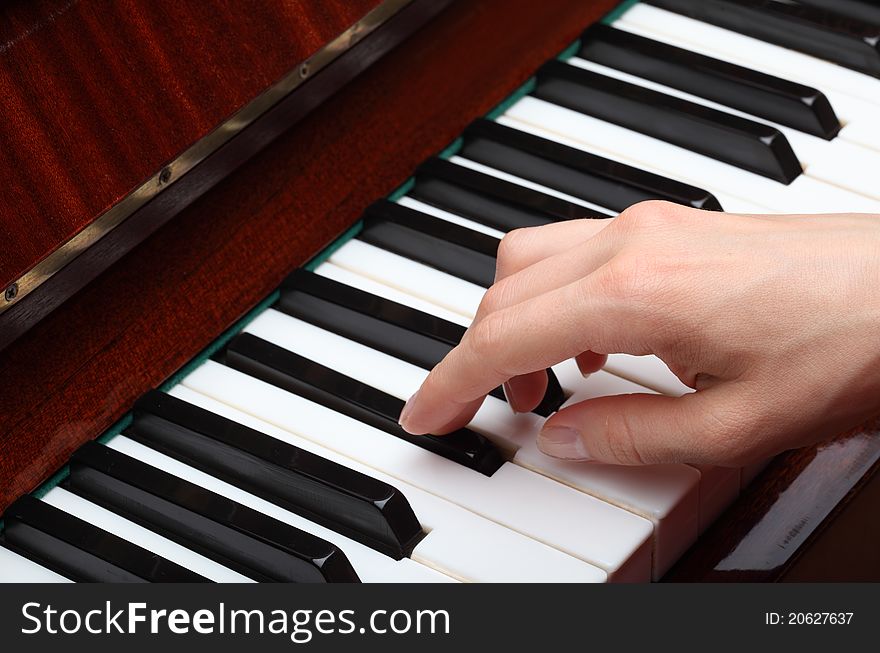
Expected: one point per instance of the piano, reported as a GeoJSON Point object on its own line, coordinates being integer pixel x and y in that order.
{"type": "Point", "coordinates": [236, 239]}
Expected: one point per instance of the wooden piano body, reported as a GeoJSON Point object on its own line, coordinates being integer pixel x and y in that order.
{"type": "Point", "coordinates": [85, 132]}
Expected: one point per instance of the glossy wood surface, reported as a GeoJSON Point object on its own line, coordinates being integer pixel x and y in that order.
{"type": "Point", "coordinates": [99, 94]}
{"type": "Point", "coordinates": [398, 19]}
{"type": "Point", "coordinates": [786, 509]}
{"type": "Point", "coordinates": [77, 372]}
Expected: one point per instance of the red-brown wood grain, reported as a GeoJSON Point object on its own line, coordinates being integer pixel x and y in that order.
{"type": "Point", "coordinates": [97, 95]}
{"type": "Point", "coordinates": [79, 370]}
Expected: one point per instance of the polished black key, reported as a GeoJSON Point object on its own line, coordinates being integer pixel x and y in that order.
{"type": "Point", "coordinates": [278, 366]}
{"type": "Point", "coordinates": [865, 11]}
{"type": "Point", "coordinates": [234, 535]}
{"type": "Point", "coordinates": [440, 244]}
{"type": "Point", "coordinates": [401, 333]}
{"type": "Point", "coordinates": [772, 98]}
{"type": "Point", "coordinates": [835, 37]}
{"type": "Point", "coordinates": [590, 177]}
{"type": "Point", "coordinates": [83, 552]}
{"type": "Point", "coordinates": [744, 143]}
{"type": "Point", "coordinates": [342, 499]}
{"type": "Point", "coordinates": [388, 311]}
{"type": "Point", "coordinates": [491, 201]}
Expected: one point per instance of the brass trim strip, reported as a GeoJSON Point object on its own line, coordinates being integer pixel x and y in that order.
{"type": "Point", "coordinates": [195, 154]}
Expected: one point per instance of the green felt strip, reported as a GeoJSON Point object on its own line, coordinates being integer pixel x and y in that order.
{"type": "Point", "coordinates": [220, 342]}
{"type": "Point", "coordinates": [327, 252]}
{"type": "Point", "coordinates": [401, 190]}
{"type": "Point", "coordinates": [570, 51]}
{"type": "Point", "coordinates": [618, 11]}
{"type": "Point", "coordinates": [511, 99]}
{"type": "Point", "coordinates": [452, 149]}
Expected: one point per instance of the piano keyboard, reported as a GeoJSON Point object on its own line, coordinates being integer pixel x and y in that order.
{"type": "Point", "coordinates": [280, 458]}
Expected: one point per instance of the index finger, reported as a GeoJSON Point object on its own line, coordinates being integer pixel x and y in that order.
{"type": "Point", "coordinates": [529, 336]}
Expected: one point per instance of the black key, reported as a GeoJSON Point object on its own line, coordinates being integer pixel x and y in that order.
{"type": "Point", "coordinates": [440, 244]}
{"type": "Point", "coordinates": [488, 200]}
{"type": "Point", "coordinates": [234, 535]}
{"type": "Point", "coordinates": [865, 11]}
{"type": "Point", "coordinates": [832, 36]}
{"type": "Point", "coordinates": [765, 96]}
{"type": "Point", "coordinates": [348, 396]}
{"type": "Point", "coordinates": [573, 171]}
{"type": "Point", "coordinates": [380, 308]}
{"type": "Point", "coordinates": [83, 552]}
{"type": "Point", "coordinates": [744, 143]}
{"type": "Point", "coordinates": [348, 502]}
{"type": "Point", "coordinates": [402, 332]}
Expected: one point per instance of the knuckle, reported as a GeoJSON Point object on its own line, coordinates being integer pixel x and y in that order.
{"type": "Point", "coordinates": [494, 299]}
{"type": "Point", "coordinates": [510, 251]}
{"type": "Point", "coordinates": [652, 214]}
{"type": "Point", "coordinates": [634, 278]}
{"type": "Point", "coordinates": [488, 335]}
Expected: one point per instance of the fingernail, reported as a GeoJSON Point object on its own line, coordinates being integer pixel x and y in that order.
{"type": "Point", "coordinates": [407, 410]}
{"type": "Point", "coordinates": [508, 394]}
{"type": "Point", "coordinates": [562, 442]}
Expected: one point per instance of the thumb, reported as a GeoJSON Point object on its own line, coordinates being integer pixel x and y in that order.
{"type": "Point", "coordinates": [645, 429]}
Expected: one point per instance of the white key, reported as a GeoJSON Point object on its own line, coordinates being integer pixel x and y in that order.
{"type": "Point", "coordinates": [752, 52]}
{"type": "Point", "coordinates": [648, 371]}
{"type": "Point", "coordinates": [142, 537]}
{"type": "Point", "coordinates": [601, 534]}
{"type": "Point", "coordinates": [837, 162]}
{"type": "Point", "coordinates": [406, 275]}
{"type": "Point", "coordinates": [15, 568]}
{"type": "Point", "coordinates": [858, 116]}
{"type": "Point", "coordinates": [459, 542]}
{"type": "Point", "coordinates": [719, 488]}
{"type": "Point", "coordinates": [387, 292]}
{"type": "Point", "coordinates": [862, 133]}
{"type": "Point", "coordinates": [804, 195]}
{"type": "Point", "coordinates": [371, 566]}
{"type": "Point", "coordinates": [411, 203]}
{"type": "Point", "coordinates": [667, 496]}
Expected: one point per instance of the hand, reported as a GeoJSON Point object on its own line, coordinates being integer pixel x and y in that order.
{"type": "Point", "coordinates": [774, 320]}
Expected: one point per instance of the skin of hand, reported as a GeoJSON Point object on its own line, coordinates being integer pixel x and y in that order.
{"type": "Point", "coordinates": [773, 320]}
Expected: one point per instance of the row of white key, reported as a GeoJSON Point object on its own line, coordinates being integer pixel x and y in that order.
{"type": "Point", "coordinates": [668, 495]}
{"type": "Point", "coordinates": [459, 546]}
{"type": "Point", "coordinates": [718, 487]}
{"type": "Point", "coordinates": [614, 540]}
{"type": "Point", "coordinates": [804, 195]}
{"type": "Point", "coordinates": [844, 164]}
{"type": "Point", "coordinates": [459, 543]}
{"type": "Point", "coordinates": [853, 95]}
